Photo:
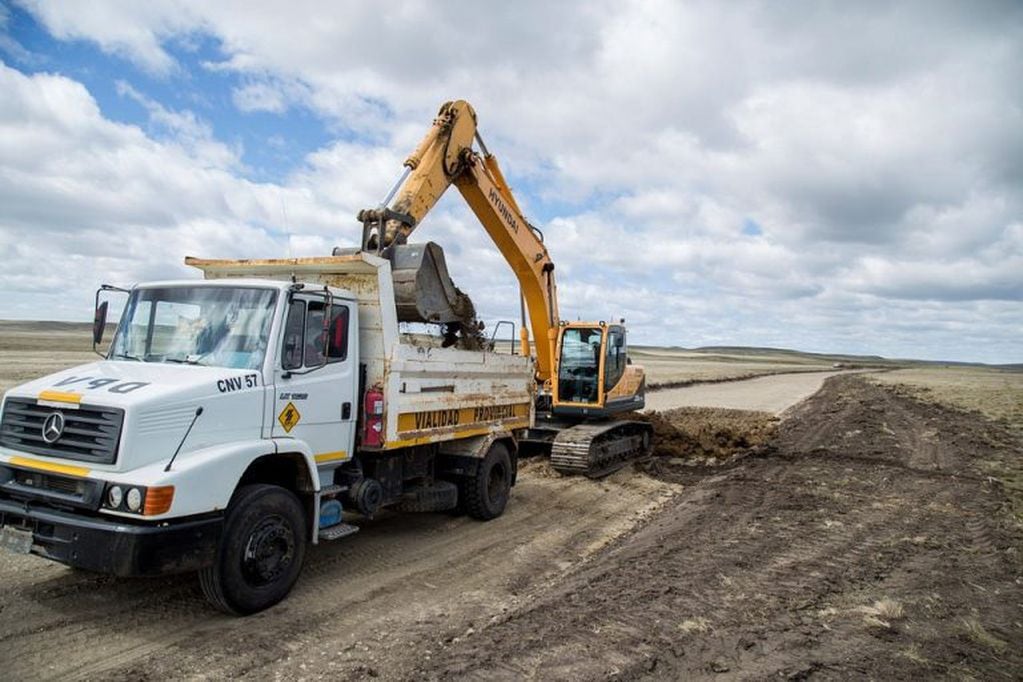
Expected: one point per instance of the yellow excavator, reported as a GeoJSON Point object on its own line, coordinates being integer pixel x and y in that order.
{"type": "Point", "coordinates": [583, 373]}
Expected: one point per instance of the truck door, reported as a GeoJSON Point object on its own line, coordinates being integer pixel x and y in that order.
{"type": "Point", "coordinates": [316, 381]}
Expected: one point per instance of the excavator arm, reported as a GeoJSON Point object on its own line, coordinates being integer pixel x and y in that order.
{"type": "Point", "coordinates": [445, 157]}
{"type": "Point", "coordinates": [582, 366]}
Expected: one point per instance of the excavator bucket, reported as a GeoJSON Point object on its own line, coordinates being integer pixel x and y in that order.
{"type": "Point", "coordinates": [423, 289]}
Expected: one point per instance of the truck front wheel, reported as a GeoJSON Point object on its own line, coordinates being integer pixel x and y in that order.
{"type": "Point", "coordinates": [486, 493]}
{"type": "Point", "coordinates": [260, 553]}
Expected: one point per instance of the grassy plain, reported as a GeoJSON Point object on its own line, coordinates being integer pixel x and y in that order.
{"type": "Point", "coordinates": [29, 350]}
{"type": "Point", "coordinates": [997, 394]}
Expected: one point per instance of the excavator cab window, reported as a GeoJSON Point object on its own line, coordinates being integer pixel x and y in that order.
{"type": "Point", "coordinates": [578, 369]}
{"type": "Point", "coordinates": [615, 357]}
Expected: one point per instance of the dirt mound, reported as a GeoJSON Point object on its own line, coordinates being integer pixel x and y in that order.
{"type": "Point", "coordinates": [721, 433]}
{"type": "Point", "coordinates": [867, 541]}
{"type": "Point", "coordinates": [688, 439]}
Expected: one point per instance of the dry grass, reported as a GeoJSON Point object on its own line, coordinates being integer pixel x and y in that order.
{"type": "Point", "coordinates": [993, 393]}
{"type": "Point", "coordinates": [976, 632]}
{"type": "Point", "coordinates": [670, 366]}
{"type": "Point", "coordinates": [882, 613]}
{"type": "Point", "coordinates": [29, 350]}
{"type": "Point", "coordinates": [997, 394]}
{"type": "Point", "coordinates": [914, 654]}
{"type": "Point", "coordinates": [694, 625]}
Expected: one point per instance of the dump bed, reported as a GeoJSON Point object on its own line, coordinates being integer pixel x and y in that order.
{"type": "Point", "coordinates": [431, 394]}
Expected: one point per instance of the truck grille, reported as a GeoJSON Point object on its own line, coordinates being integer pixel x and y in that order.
{"type": "Point", "coordinates": [91, 434]}
{"type": "Point", "coordinates": [43, 487]}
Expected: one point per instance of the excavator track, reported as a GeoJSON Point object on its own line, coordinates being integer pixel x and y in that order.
{"type": "Point", "coordinates": [598, 449]}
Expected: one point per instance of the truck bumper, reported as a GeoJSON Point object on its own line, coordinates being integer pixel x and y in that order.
{"type": "Point", "coordinates": [115, 546]}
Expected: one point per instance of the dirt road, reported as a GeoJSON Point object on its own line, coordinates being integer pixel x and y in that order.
{"type": "Point", "coordinates": [867, 539]}
{"type": "Point", "coordinates": [775, 393]}
{"type": "Point", "coordinates": [381, 594]}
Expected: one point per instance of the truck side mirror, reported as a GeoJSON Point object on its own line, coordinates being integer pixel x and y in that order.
{"type": "Point", "coordinates": [99, 323]}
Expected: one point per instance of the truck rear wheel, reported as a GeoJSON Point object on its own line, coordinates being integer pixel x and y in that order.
{"type": "Point", "coordinates": [260, 553]}
{"type": "Point", "coordinates": [486, 493]}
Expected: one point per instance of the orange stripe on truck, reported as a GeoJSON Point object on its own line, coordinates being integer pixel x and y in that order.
{"type": "Point", "coordinates": [48, 466]}
{"type": "Point", "coordinates": [60, 397]}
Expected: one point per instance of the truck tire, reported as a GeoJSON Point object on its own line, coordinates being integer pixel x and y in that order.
{"type": "Point", "coordinates": [486, 493]}
{"type": "Point", "coordinates": [260, 553]}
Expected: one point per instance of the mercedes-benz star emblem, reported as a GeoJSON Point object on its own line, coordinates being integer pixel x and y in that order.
{"type": "Point", "coordinates": [53, 427]}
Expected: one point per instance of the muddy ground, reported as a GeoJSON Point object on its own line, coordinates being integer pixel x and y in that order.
{"type": "Point", "coordinates": [866, 539]}
{"type": "Point", "coordinates": [866, 535]}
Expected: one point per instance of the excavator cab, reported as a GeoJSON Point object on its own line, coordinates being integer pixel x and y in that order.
{"type": "Point", "coordinates": [594, 377]}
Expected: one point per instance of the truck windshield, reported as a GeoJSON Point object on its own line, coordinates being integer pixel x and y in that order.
{"type": "Point", "coordinates": [200, 325]}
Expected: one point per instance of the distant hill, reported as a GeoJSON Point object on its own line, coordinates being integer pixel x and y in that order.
{"type": "Point", "coordinates": [724, 352]}
{"type": "Point", "coordinates": [830, 358]}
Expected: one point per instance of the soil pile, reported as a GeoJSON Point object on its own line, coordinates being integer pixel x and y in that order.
{"type": "Point", "coordinates": [687, 440]}
{"type": "Point", "coordinates": [867, 539]}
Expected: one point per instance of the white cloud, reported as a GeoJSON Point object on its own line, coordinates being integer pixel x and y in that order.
{"type": "Point", "coordinates": [267, 94]}
{"type": "Point", "coordinates": [877, 147]}
{"type": "Point", "coordinates": [130, 29]}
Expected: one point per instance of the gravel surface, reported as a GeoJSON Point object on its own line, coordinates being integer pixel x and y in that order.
{"type": "Point", "coordinates": [775, 393]}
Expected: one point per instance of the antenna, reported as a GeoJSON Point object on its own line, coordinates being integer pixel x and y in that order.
{"type": "Point", "coordinates": [198, 411]}
{"type": "Point", "coordinates": [287, 228]}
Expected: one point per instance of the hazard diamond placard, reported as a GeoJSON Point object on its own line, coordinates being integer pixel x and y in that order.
{"type": "Point", "coordinates": [289, 417]}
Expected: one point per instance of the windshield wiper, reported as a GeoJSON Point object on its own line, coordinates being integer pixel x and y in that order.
{"type": "Point", "coordinates": [184, 361]}
{"type": "Point", "coordinates": [127, 356]}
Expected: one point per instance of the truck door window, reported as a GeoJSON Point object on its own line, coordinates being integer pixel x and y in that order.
{"type": "Point", "coordinates": [337, 348]}
{"type": "Point", "coordinates": [315, 335]}
{"type": "Point", "coordinates": [332, 339]}
{"type": "Point", "coordinates": [294, 336]}
{"type": "Point", "coordinates": [306, 339]}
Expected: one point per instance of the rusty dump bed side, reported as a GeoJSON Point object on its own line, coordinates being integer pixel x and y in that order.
{"type": "Point", "coordinates": [431, 394]}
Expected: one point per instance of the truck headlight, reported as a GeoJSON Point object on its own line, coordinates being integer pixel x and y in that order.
{"type": "Point", "coordinates": [139, 499]}
{"type": "Point", "coordinates": [134, 499]}
{"type": "Point", "coordinates": [114, 496]}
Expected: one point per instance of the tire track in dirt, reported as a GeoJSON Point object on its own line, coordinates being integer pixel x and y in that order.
{"type": "Point", "coordinates": [850, 549]}
{"type": "Point", "coordinates": [402, 577]}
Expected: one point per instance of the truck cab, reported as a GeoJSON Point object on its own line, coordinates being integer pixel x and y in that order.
{"type": "Point", "coordinates": [230, 424]}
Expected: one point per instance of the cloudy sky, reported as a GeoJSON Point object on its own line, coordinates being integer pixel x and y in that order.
{"type": "Point", "coordinates": [826, 176]}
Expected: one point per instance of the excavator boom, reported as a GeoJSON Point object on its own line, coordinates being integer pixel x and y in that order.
{"type": "Point", "coordinates": [445, 157]}
{"type": "Point", "coordinates": [582, 368]}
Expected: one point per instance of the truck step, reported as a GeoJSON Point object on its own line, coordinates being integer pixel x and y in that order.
{"type": "Point", "coordinates": [341, 530]}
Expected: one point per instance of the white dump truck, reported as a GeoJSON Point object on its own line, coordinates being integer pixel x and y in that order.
{"type": "Point", "coordinates": [234, 419]}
